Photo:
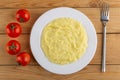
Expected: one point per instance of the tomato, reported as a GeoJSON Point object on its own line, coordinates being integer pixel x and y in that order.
{"type": "Point", "coordinates": [13, 29]}
{"type": "Point", "coordinates": [23, 58]}
{"type": "Point", "coordinates": [13, 47]}
{"type": "Point", "coordinates": [22, 15]}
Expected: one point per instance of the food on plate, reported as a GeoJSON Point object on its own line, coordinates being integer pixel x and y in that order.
{"type": "Point", "coordinates": [13, 29]}
{"type": "Point", "coordinates": [13, 47]}
{"type": "Point", "coordinates": [64, 40]}
{"type": "Point", "coordinates": [23, 58]}
{"type": "Point", "coordinates": [22, 15]}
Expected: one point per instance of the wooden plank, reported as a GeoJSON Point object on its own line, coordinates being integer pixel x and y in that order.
{"type": "Point", "coordinates": [55, 3]}
{"type": "Point", "coordinates": [112, 49]}
{"type": "Point", "coordinates": [91, 72]}
{"type": "Point", "coordinates": [8, 15]}
{"type": "Point", "coordinates": [113, 55]}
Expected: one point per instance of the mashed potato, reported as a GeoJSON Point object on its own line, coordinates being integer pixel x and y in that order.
{"type": "Point", "coordinates": [64, 40]}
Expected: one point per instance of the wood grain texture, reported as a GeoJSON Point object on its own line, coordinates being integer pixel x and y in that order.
{"type": "Point", "coordinates": [112, 50]}
{"type": "Point", "coordinates": [90, 72]}
{"type": "Point", "coordinates": [113, 26]}
{"type": "Point", "coordinates": [10, 70]}
{"type": "Point", "coordinates": [55, 3]}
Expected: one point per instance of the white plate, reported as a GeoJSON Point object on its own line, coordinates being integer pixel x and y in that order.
{"type": "Point", "coordinates": [35, 38]}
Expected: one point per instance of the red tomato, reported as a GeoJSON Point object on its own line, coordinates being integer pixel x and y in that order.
{"type": "Point", "coordinates": [22, 15]}
{"type": "Point", "coordinates": [23, 58]}
{"type": "Point", "coordinates": [13, 47]}
{"type": "Point", "coordinates": [13, 29]}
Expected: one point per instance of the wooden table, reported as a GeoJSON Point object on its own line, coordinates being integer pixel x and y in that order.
{"type": "Point", "coordinates": [10, 70]}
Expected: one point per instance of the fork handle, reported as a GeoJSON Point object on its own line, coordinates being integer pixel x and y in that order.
{"type": "Point", "coordinates": [104, 50]}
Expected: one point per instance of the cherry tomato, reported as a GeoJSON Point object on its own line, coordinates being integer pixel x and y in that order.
{"type": "Point", "coordinates": [13, 47]}
{"type": "Point", "coordinates": [22, 15]}
{"type": "Point", "coordinates": [13, 29]}
{"type": "Point", "coordinates": [23, 58]}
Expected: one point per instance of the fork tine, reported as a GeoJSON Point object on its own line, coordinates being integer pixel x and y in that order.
{"type": "Point", "coordinates": [107, 9]}
{"type": "Point", "coordinates": [103, 9]}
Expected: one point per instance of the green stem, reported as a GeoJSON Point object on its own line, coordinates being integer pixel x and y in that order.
{"type": "Point", "coordinates": [12, 26]}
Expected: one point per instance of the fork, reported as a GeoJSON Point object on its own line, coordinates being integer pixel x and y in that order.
{"type": "Point", "coordinates": [104, 20]}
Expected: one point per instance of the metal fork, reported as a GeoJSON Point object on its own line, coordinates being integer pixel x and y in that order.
{"type": "Point", "coordinates": [104, 20]}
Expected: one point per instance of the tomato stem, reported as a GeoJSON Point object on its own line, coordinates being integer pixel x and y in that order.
{"type": "Point", "coordinates": [19, 64]}
{"type": "Point", "coordinates": [21, 19]}
{"type": "Point", "coordinates": [12, 47]}
{"type": "Point", "coordinates": [12, 26]}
